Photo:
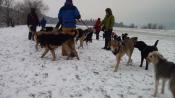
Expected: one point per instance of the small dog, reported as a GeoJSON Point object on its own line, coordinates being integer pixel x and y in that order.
{"type": "Point", "coordinates": [120, 48]}
{"type": "Point", "coordinates": [164, 70]}
{"type": "Point", "coordinates": [145, 50]}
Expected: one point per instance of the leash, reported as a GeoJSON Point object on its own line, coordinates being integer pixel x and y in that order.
{"type": "Point", "coordinates": [84, 23]}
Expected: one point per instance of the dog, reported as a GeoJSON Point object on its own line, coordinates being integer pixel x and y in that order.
{"type": "Point", "coordinates": [145, 50]}
{"type": "Point", "coordinates": [51, 40]}
{"type": "Point", "coordinates": [125, 36]}
{"type": "Point", "coordinates": [47, 29]}
{"type": "Point", "coordinates": [120, 48]}
{"type": "Point", "coordinates": [164, 70]}
{"type": "Point", "coordinates": [84, 35]}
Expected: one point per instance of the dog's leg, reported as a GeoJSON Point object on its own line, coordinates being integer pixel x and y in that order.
{"type": "Point", "coordinates": [74, 52]}
{"type": "Point", "coordinates": [118, 62]}
{"type": "Point", "coordinates": [172, 85]}
{"type": "Point", "coordinates": [53, 54]}
{"type": "Point", "coordinates": [141, 61]}
{"type": "Point", "coordinates": [156, 87]}
{"type": "Point", "coordinates": [129, 59]}
{"type": "Point", "coordinates": [163, 85]}
{"type": "Point", "coordinates": [146, 68]}
{"type": "Point", "coordinates": [45, 52]}
{"type": "Point", "coordinates": [36, 46]}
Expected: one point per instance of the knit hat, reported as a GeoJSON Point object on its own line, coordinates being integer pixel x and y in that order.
{"type": "Point", "coordinates": [68, 2]}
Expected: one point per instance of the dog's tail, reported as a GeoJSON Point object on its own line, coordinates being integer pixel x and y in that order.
{"type": "Point", "coordinates": [155, 44]}
{"type": "Point", "coordinates": [172, 85]}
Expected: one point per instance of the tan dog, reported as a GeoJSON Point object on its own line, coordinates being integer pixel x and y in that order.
{"type": "Point", "coordinates": [68, 48]}
{"type": "Point", "coordinates": [164, 70]}
{"type": "Point", "coordinates": [120, 48]}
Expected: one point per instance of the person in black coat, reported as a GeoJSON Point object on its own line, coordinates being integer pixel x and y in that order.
{"type": "Point", "coordinates": [32, 23]}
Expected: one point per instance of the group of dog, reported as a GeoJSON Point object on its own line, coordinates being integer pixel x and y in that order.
{"type": "Point", "coordinates": [164, 69]}
{"type": "Point", "coordinates": [51, 38]}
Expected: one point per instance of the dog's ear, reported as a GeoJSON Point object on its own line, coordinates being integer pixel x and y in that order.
{"type": "Point", "coordinates": [155, 44]}
{"type": "Point", "coordinates": [118, 38]}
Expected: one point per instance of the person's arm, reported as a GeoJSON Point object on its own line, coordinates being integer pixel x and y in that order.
{"type": "Point", "coordinates": [112, 21]}
{"type": "Point", "coordinates": [77, 14]}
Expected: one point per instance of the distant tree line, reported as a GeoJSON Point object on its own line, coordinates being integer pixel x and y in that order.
{"type": "Point", "coordinates": [153, 26]}
{"type": "Point", "coordinates": [15, 13]}
{"type": "Point", "coordinates": [91, 22]}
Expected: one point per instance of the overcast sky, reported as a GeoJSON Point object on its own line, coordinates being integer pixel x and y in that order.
{"type": "Point", "coordinates": [128, 11]}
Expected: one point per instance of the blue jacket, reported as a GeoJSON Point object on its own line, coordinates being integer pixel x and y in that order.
{"type": "Point", "coordinates": [68, 15]}
{"type": "Point", "coordinates": [43, 23]}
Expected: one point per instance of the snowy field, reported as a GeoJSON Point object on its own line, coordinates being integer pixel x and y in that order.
{"type": "Point", "coordinates": [23, 74]}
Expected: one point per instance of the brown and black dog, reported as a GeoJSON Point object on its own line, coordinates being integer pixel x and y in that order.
{"type": "Point", "coordinates": [84, 35]}
{"type": "Point", "coordinates": [164, 70]}
{"type": "Point", "coordinates": [51, 40]}
{"type": "Point", "coordinates": [121, 47]}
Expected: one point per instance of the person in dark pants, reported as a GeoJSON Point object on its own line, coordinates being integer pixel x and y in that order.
{"type": "Point", "coordinates": [108, 23]}
{"type": "Point", "coordinates": [97, 28]}
{"type": "Point", "coordinates": [32, 23]}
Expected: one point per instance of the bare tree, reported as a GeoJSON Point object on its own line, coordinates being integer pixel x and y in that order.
{"type": "Point", "coordinates": [7, 13]}
{"type": "Point", "coordinates": [37, 4]}
{"type": "Point", "coordinates": [16, 12]}
{"type": "Point", "coordinates": [1, 2]}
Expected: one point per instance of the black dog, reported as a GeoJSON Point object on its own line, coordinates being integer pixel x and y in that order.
{"type": "Point", "coordinates": [47, 29]}
{"type": "Point", "coordinates": [50, 41]}
{"type": "Point", "coordinates": [87, 33]}
{"type": "Point", "coordinates": [145, 50]}
{"type": "Point", "coordinates": [125, 36]}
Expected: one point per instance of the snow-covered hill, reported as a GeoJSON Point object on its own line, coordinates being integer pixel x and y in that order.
{"type": "Point", "coordinates": [23, 74]}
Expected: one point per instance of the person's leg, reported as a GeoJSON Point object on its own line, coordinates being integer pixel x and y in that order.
{"type": "Point", "coordinates": [30, 33]}
{"type": "Point", "coordinates": [106, 40]}
{"type": "Point", "coordinates": [33, 31]}
{"type": "Point", "coordinates": [97, 35]}
{"type": "Point", "coordinates": [109, 39]}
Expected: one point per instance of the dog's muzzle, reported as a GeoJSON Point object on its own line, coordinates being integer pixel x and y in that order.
{"type": "Point", "coordinates": [115, 51]}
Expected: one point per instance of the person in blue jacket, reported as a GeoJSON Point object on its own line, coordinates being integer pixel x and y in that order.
{"type": "Point", "coordinates": [43, 23]}
{"type": "Point", "coordinates": [68, 15]}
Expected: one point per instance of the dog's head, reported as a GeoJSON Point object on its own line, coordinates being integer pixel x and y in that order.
{"type": "Point", "coordinates": [125, 36]}
{"type": "Point", "coordinates": [154, 57]}
{"type": "Point", "coordinates": [115, 46]}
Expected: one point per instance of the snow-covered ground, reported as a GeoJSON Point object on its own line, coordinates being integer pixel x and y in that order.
{"type": "Point", "coordinates": [23, 74]}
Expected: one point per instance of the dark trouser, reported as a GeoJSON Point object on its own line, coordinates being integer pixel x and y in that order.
{"type": "Point", "coordinates": [31, 32]}
{"type": "Point", "coordinates": [97, 35]}
{"type": "Point", "coordinates": [107, 38]}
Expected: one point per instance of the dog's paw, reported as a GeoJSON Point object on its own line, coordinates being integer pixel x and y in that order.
{"type": "Point", "coordinates": [115, 70]}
